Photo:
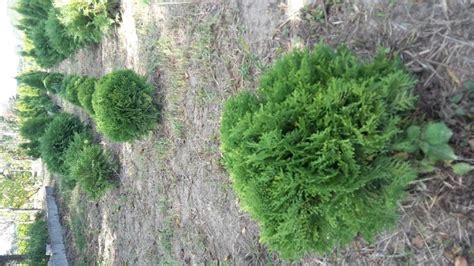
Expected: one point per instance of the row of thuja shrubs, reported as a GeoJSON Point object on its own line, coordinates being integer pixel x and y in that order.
{"type": "Point", "coordinates": [312, 151]}
{"type": "Point", "coordinates": [68, 148]}
{"type": "Point", "coordinates": [121, 103]}
{"type": "Point", "coordinates": [56, 29]}
{"type": "Point", "coordinates": [64, 143]}
{"type": "Point", "coordinates": [34, 111]}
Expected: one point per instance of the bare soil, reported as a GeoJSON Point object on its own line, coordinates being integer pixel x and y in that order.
{"type": "Point", "coordinates": [175, 204]}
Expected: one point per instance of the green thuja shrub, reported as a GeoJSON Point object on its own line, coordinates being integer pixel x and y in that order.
{"type": "Point", "coordinates": [32, 22]}
{"type": "Point", "coordinates": [43, 52]}
{"type": "Point", "coordinates": [35, 110]}
{"type": "Point", "coordinates": [53, 82]}
{"type": "Point", "coordinates": [93, 170]}
{"type": "Point", "coordinates": [123, 105]}
{"type": "Point", "coordinates": [33, 79]}
{"type": "Point", "coordinates": [80, 140]}
{"type": "Point", "coordinates": [31, 149]}
{"type": "Point", "coordinates": [56, 140]}
{"type": "Point", "coordinates": [36, 104]}
{"type": "Point", "coordinates": [57, 31]}
{"type": "Point", "coordinates": [71, 89]}
{"type": "Point", "coordinates": [34, 128]}
{"type": "Point", "coordinates": [84, 93]}
{"type": "Point", "coordinates": [58, 36]}
{"type": "Point", "coordinates": [309, 152]}
{"type": "Point", "coordinates": [66, 80]}
{"type": "Point", "coordinates": [87, 20]}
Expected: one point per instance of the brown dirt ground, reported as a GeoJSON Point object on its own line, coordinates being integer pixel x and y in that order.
{"type": "Point", "coordinates": [175, 204]}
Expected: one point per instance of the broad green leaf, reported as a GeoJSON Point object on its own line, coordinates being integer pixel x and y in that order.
{"type": "Point", "coordinates": [437, 133]}
{"type": "Point", "coordinates": [469, 84]}
{"type": "Point", "coordinates": [462, 168]}
{"type": "Point", "coordinates": [456, 98]}
{"type": "Point", "coordinates": [413, 133]}
{"type": "Point", "coordinates": [439, 152]}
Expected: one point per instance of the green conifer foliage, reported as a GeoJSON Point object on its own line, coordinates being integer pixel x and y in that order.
{"type": "Point", "coordinates": [84, 93]}
{"type": "Point", "coordinates": [33, 79]}
{"type": "Point", "coordinates": [309, 152]}
{"type": "Point", "coordinates": [53, 82]}
{"type": "Point", "coordinates": [123, 105]}
{"type": "Point", "coordinates": [71, 89]}
{"type": "Point", "coordinates": [57, 30]}
{"type": "Point", "coordinates": [76, 146]}
{"type": "Point", "coordinates": [56, 140]}
{"type": "Point", "coordinates": [94, 168]}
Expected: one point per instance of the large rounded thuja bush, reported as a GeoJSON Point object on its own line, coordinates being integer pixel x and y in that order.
{"type": "Point", "coordinates": [123, 105]}
{"type": "Point", "coordinates": [56, 140]}
{"type": "Point", "coordinates": [310, 151]}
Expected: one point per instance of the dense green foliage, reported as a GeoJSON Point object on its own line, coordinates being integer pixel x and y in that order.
{"type": "Point", "coordinates": [35, 110]}
{"type": "Point", "coordinates": [41, 80]}
{"type": "Point", "coordinates": [126, 109]}
{"type": "Point", "coordinates": [58, 36]}
{"type": "Point", "coordinates": [53, 81]}
{"type": "Point", "coordinates": [34, 15]}
{"type": "Point", "coordinates": [17, 189]}
{"type": "Point", "coordinates": [310, 152]}
{"type": "Point", "coordinates": [34, 128]}
{"type": "Point", "coordinates": [61, 140]}
{"type": "Point", "coordinates": [84, 94]}
{"type": "Point", "coordinates": [87, 20]}
{"type": "Point", "coordinates": [56, 141]}
{"type": "Point", "coordinates": [72, 84]}
{"type": "Point", "coordinates": [75, 148]}
{"type": "Point", "coordinates": [36, 244]}
{"type": "Point", "coordinates": [31, 149]}
{"type": "Point", "coordinates": [33, 79]}
{"type": "Point", "coordinates": [123, 105]}
{"type": "Point", "coordinates": [93, 169]}
{"type": "Point", "coordinates": [57, 31]}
